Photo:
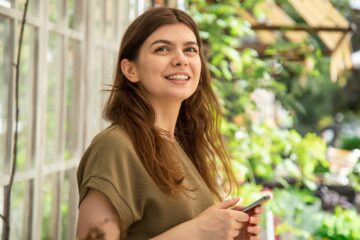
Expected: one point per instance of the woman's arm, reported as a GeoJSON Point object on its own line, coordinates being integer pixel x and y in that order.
{"type": "Point", "coordinates": [218, 222]}
{"type": "Point", "coordinates": [96, 211]}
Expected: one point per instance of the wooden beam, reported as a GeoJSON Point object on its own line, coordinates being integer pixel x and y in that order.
{"type": "Point", "coordinates": [351, 28]}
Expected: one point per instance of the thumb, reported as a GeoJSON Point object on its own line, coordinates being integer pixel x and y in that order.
{"type": "Point", "coordinates": [227, 203]}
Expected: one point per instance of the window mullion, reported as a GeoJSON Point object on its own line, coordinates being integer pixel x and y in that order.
{"type": "Point", "coordinates": [39, 153]}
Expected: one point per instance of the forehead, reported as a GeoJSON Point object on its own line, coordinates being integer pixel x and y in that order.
{"type": "Point", "coordinates": [177, 32]}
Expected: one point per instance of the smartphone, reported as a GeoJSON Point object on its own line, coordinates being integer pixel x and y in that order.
{"type": "Point", "coordinates": [256, 204]}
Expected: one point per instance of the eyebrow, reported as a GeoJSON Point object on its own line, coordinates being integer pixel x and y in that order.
{"type": "Point", "coordinates": [170, 43]}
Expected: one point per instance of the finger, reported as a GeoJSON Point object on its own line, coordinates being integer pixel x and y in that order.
{"type": "Point", "coordinates": [239, 216]}
{"type": "Point", "coordinates": [256, 211]}
{"type": "Point", "coordinates": [234, 233]}
{"type": "Point", "coordinates": [259, 210]}
{"type": "Point", "coordinates": [254, 220]}
{"type": "Point", "coordinates": [237, 225]}
{"type": "Point", "coordinates": [227, 203]}
{"type": "Point", "coordinates": [254, 238]}
{"type": "Point", "coordinates": [254, 229]}
{"type": "Point", "coordinates": [237, 208]}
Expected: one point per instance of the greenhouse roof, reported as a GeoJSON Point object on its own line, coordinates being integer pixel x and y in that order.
{"type": "Point", "coordinates": [320, 17]}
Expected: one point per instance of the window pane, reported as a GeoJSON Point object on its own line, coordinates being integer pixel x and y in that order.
{"type": "Point", "coordinates": [66, 203]}
{"type": "Point", "coordinates": [98, 16]}
{"type": "Point", "coordinates": [49, 202]}
{"type": "Point", "coordinates": [74, 13]}
{"type": "Point", "coordinates": [72, 92]}
{"type": "Point", "coordinates": [53, 93]}
{"type": "Point", "coordinates": [7, 3]}
{"type": "Point", "coordinates": [109, 59]}
{"type": "Point", "coordinates": [20, 207]}
{"type": "Point", "coordinates": [5, 78]}
{"type": "Point", "coordinates": [94, 99]}
{"type": "Point", "coordinates": [111, 27]}
{"type": "Point", "coordinates": [26, 85]}
{"type": "Point", "coordinates": [33, 7]}
{"type": "Point", "coordinates": [55, 10]}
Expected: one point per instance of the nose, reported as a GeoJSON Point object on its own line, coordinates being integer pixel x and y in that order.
{"type": "Point", "coordinates": [179, 59]}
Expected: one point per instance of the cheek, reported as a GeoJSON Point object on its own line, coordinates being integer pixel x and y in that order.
{"type": "Point", "coordinates": [196, 67]}
{"type": "Point", "coordinates": [152, 67]}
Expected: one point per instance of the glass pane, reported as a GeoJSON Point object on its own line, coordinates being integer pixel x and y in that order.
{"type": "Point", "coordinates": [94, 101]}
{"type": "Point", "coordinates": [26, 85]}
{"type": "Point", "coordinates": [111, 27]}
{"type": "Point", "coordinates": [5, 78]}
{"type": "Point", "coordinates": [55, 10]}
{"type": "Point", "coordinates": [33, 7]}
{"type": "Point", "coordinates": [110, 58]}
{"type": "Point", "coordinates": [53, 94]}
{"type": "Point", "coordinates": [124, 17]}
{"type": "Point", "coordinates": [49, 196]}
{"type": "Point", "coordinates": [98, 16]}
{"type": "Point", "coordinates": [7, 3]}
{"type": "Point", "coordinates": [20, 207]}
{"type": "Point", "coordinates": [74, 13]}
{"type": "Point", "coordinates": [66, 202]}
{"type": "Point", "coordinates": [72, 92]}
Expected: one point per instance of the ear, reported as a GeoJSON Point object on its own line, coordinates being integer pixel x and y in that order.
{"type": "Point", "coordinates": [129, 70]}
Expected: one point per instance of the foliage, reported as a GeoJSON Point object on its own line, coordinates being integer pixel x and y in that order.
{"type": "Point", "coordinates": [272, 153]}
{"type": "Point", "coordinates": [298, 212]}
{"type": "Point", "coordinates": [343, 224]}
{"type": "Point", "coordinates": [350, 143]}
{"type": "Point", "coordinates": [300, 217]}
{"type": "Point", "coordinates": [308, 81]}
{"type": "Point", "coordinates": [260, 150]}
{"type": "Point", "coordinates": [237, 74]}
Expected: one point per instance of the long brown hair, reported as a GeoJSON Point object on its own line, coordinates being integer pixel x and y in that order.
{"type": "Point", "coordinates": [198, 124]}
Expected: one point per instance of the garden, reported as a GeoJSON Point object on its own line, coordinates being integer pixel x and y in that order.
{"type": "Point", "coordinates": [291, 118]}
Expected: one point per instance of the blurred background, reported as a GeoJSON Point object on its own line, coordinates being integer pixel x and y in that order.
{"type": "Point", "coordinates": [287, 73]}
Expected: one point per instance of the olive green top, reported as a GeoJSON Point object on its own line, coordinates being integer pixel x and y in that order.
{"type": "Point", "coordinates": [111, 166]}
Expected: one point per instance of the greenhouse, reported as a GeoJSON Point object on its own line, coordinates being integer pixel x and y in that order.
{"type": "Point", "coordinates": [260, 98]}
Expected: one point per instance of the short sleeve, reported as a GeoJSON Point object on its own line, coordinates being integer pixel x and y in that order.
{"type": "Point", "coordinates": [109, 166]}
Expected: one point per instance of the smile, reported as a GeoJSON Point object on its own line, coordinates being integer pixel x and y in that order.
{"type": "Point", "coordinates": [178, 77]}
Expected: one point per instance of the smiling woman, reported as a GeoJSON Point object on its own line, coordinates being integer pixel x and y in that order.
{"type": "Point", "coordinates": [152, 173]}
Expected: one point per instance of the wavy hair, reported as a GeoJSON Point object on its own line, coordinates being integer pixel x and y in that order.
{"type": "Point", "coordinates": [198, 123]}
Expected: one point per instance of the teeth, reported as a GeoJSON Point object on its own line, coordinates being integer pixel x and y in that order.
{"type": "Point", "coordinates": [178, 77]}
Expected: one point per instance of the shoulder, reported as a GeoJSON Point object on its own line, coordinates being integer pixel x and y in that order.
{"type": "Point", "coordinates": [113, 136]}
{"type": "Point", "coordinates": [110, 150]}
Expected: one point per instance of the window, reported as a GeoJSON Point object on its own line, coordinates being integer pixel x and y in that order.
{"type": "Point", "coordinates": [67, 58]}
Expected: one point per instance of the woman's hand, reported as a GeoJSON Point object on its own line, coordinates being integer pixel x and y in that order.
{"type": "Point", "coordinates": [251, 229]}
{"type": "Point", "coordinates": [220, 222]}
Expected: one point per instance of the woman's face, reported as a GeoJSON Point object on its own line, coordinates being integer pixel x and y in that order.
{"type": "Point", "coordinates": [168, 65]}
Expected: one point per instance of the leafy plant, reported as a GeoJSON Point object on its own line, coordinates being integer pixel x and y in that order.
{"type": "Point", "coordinates": [298, 213]}
{"type": "Point", "coordinates": [342, 225]}
{"type": "Point", "coordinates": [350, 143]}
{"type": "Point", "coordinates": [272, 153]}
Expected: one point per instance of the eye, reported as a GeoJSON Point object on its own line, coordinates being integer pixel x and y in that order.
{"type": "Point", "coordinates": [191, 50]}
{"type": "Point", "coordinates": [162, 49]}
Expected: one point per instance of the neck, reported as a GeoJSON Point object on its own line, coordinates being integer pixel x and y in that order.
{"type": "Point", "coordinates": [166, 114]}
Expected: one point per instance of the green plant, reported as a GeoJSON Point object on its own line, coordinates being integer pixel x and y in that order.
{"type": "Point", "coordinates": [342, 225]}
{"type": "Point", "coordinates": [298, 213]}
{"type": "Point", "coordinates": [350, 143]}
{"type": "Point", "coordinates": [273, 153]}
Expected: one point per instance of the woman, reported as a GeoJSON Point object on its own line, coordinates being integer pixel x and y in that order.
{"type": "Point", "coordinates": [152, 173]}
